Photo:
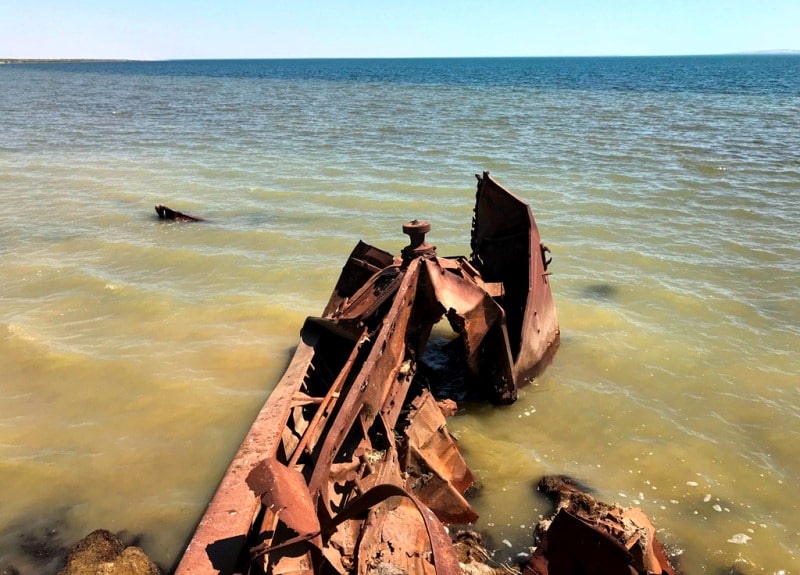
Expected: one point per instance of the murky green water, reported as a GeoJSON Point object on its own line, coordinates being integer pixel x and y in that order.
{"type": "Point", "coordinates": [134, 354]}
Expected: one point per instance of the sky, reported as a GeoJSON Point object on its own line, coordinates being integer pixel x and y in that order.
{"type": "Point", "coordinates": [191, 29]}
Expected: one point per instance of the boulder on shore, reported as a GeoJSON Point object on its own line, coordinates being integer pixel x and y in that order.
{"type": "Point", "coordinates": [103, 553]}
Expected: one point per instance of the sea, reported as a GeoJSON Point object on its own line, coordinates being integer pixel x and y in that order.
{"type": "Point", "coordinates": [135, 353]}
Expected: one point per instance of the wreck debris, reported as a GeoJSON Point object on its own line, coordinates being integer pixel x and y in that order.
{"type": "Point", "coordinates": [433, 465]}
{"type": "Point", "coordinates": [504, 235]}
{"type": "Point", "coordinates": [585, 535]}
{"type": "Point", "coordinates": [165, 213]}
{"type": "Point", "coordinates": [349, 467]}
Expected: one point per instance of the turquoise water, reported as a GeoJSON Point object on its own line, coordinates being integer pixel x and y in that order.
{"type": "Point", "coordinates": [135, 353]}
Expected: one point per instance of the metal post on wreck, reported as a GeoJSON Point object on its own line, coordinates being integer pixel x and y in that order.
{"type": "Point", "coordinates": [416, 230]}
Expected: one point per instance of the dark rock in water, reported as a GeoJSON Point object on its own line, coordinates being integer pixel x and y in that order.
{"type": "Point", "coordinates": [166, 213]}
{"type": "Point", "coordinates": [102, 552]}
{"type": "Point", "coordinates": [522, 557]}
{"type": "Point", "coordinates": [42, 544]}
{"type": "Point", "coordinates": [33, 544]}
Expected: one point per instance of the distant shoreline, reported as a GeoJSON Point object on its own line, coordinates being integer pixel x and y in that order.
{"type": "Point", "coordinates": [58, 60]}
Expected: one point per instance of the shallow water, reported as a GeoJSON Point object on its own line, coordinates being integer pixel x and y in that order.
{"type": "Point", "coordinates": [135, 353]}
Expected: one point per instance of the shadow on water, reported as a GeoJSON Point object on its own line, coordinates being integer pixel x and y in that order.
{"type": "Point", "coordinates": [605, 292]}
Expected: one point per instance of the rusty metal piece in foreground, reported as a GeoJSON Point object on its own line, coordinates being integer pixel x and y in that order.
{"type": "Point", "coordinates": [349, 467]}
{"type": "Point", "coordinates": [585, 535]}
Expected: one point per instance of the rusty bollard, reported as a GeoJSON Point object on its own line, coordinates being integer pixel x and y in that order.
{"type": "Point", "coordinates": [416, 230]}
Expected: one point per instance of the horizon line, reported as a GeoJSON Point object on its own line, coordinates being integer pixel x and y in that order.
{"type": "Point", "coordinates": [212, 58]}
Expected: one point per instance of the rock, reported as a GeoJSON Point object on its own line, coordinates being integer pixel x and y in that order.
{"type": "Point", "coordinates": [102, 553]}
{"type": "Point", "coordinates": [473, 559]}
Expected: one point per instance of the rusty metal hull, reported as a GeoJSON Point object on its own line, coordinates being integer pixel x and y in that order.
{"type": "Point", "coordinates": [507, 248]}
{"type": "Point", "coordinates": [348, 467]}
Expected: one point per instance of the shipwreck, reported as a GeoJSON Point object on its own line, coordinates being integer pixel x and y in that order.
{"type": "Point", "coordinates": [349, 466]}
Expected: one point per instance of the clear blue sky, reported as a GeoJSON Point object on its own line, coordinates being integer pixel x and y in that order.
{"type": "Point", "coordinates": [165, 29]}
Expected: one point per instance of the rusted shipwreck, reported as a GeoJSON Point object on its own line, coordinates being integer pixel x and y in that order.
{"type": "Point", "coordinates": [349, 467]}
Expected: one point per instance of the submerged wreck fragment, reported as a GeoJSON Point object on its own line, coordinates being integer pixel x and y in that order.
{"type": "Point", "coordinates": [165, 213]}
{"type": "Point", "coordinates": [349, 467]}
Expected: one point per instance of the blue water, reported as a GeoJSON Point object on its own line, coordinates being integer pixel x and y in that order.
{"type": "Point", "coordinates": [134, 354]}
{"type": "Point", "coordinates": [751, 74]}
